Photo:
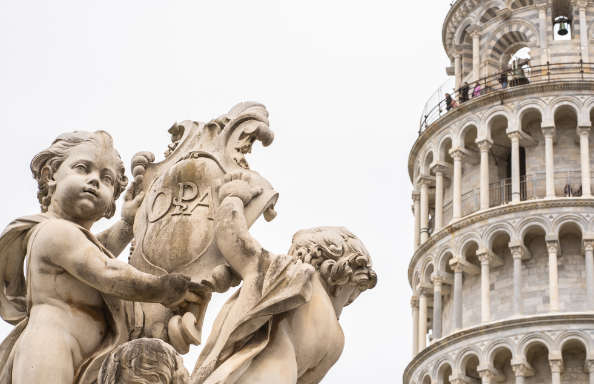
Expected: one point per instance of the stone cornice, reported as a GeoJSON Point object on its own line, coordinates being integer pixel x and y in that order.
{"type": "Point", "coordinates": [494, 327]}
{"type": "Point", "coordinates": [489, 99]}
{"type": "Point", "coordinates": [493, 212]}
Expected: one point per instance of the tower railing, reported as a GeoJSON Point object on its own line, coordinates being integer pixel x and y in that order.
{"type": "Point", "coordinates": [568, 183]}
{"type": "Point", "coordinates": [501, 82]}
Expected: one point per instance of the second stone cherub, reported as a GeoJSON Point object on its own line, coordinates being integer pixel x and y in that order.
{"type": "Point", "coordinates": [281, 326]}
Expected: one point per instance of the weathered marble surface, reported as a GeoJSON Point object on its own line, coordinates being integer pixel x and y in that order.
{"type": "Point", "coordinates": [79, 310]}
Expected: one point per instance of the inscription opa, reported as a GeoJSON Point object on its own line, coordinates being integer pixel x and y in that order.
{"type": "Point", "coordinates": [182, 202]}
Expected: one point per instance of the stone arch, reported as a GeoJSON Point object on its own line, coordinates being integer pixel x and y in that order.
{"type": "Point", "coordinates": [532, 222]}
{"type": "Point", "coordinates": [589, 108]}
{"type": "Point", "coordinates": [466, 354]}
{"type": "Point", "coordinates": [428, 159]}
{"type": "Point", "coordinates": [494, 230]}
{"type": "Point", "coordinates": [515, 33]}
{"type": "Point", "coordinates": [571, 102]}
{"type": "Point", "coordinates": [570, 218]}
{"type": "Point", "coordinates": [427, 270]}
{"type": "Point", "coordinates": [426, 378]}
{"type": "Point", "coordinates": [578, 336]}
{"type": "Point", "coordinates": [488, 14]}
{"type": "Point", "coordinates": [516, 4]}
{"type": "Point", "coordinates": [440, 367]}
{"type": "Point", "coordinates": [495, 114]}
{"type": "Point", "coordinates": [442, 154]}
{"type": "Point", "coordinates": [531, 107]}
{"type": "Point", "coordinates": [415, 281]}
{"type": "Point", "coordinates": [442, 261]}
{"type": "Point", "coordinates": [532, 339]}
{"type": "Point", "coordinates": [417, 170]}
{"type": "Point", "coordinates": [495, 347]}
{"type": "Point", "coordinates": [462, 26]}
{"type": "Point", "coordinates": [467, 128]}
{"type": "Point", "coordinates": [536, 350]}
{"type": "Point", "coordinates": [467, 240]}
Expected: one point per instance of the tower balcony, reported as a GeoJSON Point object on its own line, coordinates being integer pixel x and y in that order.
{"type": "Point", "coordinates": [500, 85]}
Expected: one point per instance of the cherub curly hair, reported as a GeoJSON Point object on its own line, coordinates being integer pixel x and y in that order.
{"type": "Point", "coordinates": [51, 159]}
{"type": "Point", "coordinates": [143, 361]}
{"type": "Point", "coordinates": [337, 254]}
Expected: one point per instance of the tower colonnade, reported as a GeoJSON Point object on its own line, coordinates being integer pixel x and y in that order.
{"type": "Point", "coordinates": [502, 271]}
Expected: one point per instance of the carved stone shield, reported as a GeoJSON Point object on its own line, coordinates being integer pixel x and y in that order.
{"type": "Point", "coordinates": [174, 227]}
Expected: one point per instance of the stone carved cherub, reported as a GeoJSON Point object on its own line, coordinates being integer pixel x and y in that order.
{"type": "Point", "coordinates": [281, 326]}
{"type": "Point", "coordinates": [144, 361]}
{"type": "Point", "coordinates": [71, 311]}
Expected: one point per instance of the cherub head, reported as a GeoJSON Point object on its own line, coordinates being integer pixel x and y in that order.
{"type": "Point", "coordinates": [143, 361]}
{"type": "Point", "coordinates": [340, 258]}
{"type": "Point", "coordinates": [80, 176]}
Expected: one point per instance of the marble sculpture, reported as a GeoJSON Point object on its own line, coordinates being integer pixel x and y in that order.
{"type": "Point", "coordinates": [83, 316]}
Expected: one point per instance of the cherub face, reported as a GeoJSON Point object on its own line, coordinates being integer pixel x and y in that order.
{"type": "Point", "coordinates": [85, 182]}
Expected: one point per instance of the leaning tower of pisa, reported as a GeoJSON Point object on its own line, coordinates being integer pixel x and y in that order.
{"type": "Point", "coordinates": [502, 273]}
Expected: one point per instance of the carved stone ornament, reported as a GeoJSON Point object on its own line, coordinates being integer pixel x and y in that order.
{"type": "Point", "coordinates": [83, 316]}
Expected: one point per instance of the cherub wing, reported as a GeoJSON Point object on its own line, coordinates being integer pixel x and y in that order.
{"type": "Point", "coordinates": [13, 250]}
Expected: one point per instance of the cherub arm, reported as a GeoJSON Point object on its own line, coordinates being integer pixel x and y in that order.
{"type": "Point", "coordinates": [232, 236]}
{"type": "Point", "coordinates": [62, 244]}
{"type": "Point", "coordinates": [117, 237]}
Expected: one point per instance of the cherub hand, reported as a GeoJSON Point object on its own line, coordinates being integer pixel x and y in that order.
{"type": "Point", "coordinates": [135, 194]}
{"type": "Point", "coordinates": [180, 291]}
{"type": "Point", "coordinates": [238, 185]}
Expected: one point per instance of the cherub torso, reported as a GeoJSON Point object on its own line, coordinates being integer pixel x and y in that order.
{"type": "Point", "coordinates": [66, 315]}
{"type": "Point", "coordinates": [304, 344]}
{"type": "Point", "coordinates": [316, 335]}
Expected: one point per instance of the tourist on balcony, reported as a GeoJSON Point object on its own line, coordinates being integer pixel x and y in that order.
{"type": "Point", "coordinates": [476, 92]}
{"type": "Point", "coordinates": [503, 79]}
{"type": "Point", "coordinates": [567, 190]}
{"type": "Point", "coordinates": [577, 192]}
{"type": "Point", "coordinates": [450, 102]}
{"type": "Point", "coordinates": [463, 91]}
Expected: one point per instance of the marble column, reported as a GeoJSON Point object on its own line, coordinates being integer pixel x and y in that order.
{"type": "Point", "coordinates": [424, 210]}
{"type": "Point", "coordinates": [422, 321]}
{"type": "Point", "coordinates": [584, 45]}
{"type": "Point", "coordinates": [556, 369]}
{"type": "Point", "coordinates": [515, 166]}
{"type": "Point", "coordinates": [584, 133]}
{"type": "Point", "coordinates": [484, 147]}
{"type": "Point", "coordinates": [417, 212]}
{"type": "Point", "coordinates": [457, 185]}
{"type": "Point", "coordinates": [589, 260]}
{"type": "Point", "coordinates": [458, 70]}
{"type": "Point", "coordinates": [414, 303]}
{"type": "Point", "coordinates": [438, 222]}
{"type": "Point", "coordinates": [484, 258]}
{"type": "Point", "coordinates": [517, 254]}
{"type": "Point", "coordinates": [590, 370]}
{"type": "Point", "coordinates": [521, 370]}
{"type": "Point", "coordinates": [437, 304]}
{"type": "Point", "coordinates": [549, 133]}
{"type": "Point", "coordinates": [476, 57]}
{"type": "Point", "coordinates": [486, 376]}
{"type": "Point", "coordinates": [553, 250]}
{"type": "Point", "coordinates": [458, 270]}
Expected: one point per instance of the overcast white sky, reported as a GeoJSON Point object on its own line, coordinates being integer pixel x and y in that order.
{"type": "Point", "coordinates": [344, 82]}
